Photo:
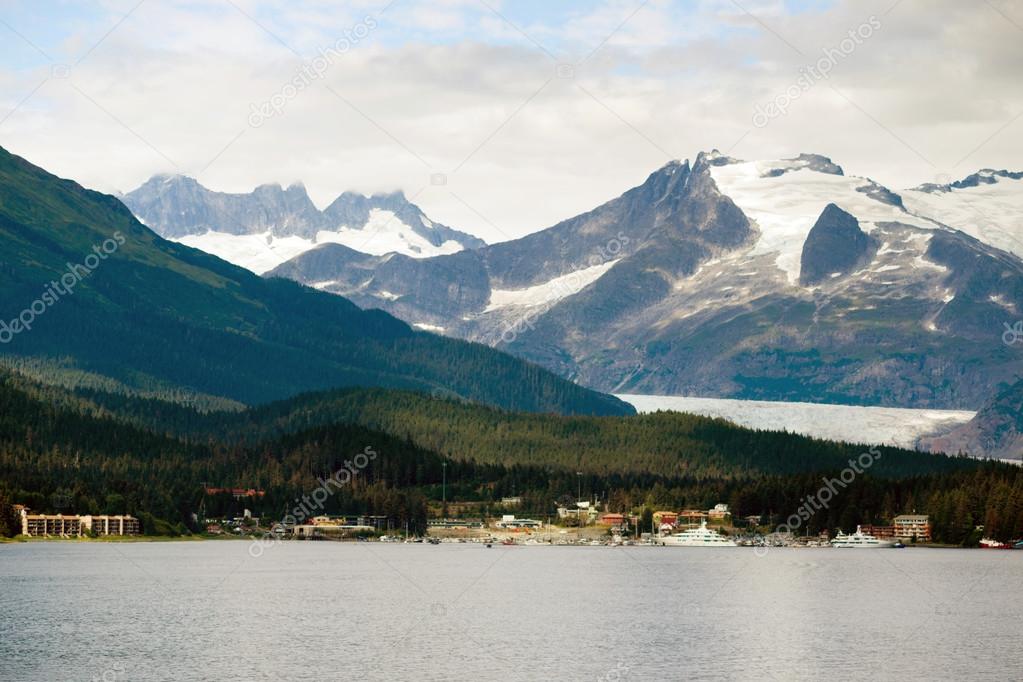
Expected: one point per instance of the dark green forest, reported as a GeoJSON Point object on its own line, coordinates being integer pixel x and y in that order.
{"type": "Point", "coordinates": [93, 452]}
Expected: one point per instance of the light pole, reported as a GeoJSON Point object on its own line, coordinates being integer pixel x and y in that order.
{"type": "Point", "coordinates": [444, 486]}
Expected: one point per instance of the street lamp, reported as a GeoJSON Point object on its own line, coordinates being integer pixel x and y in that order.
{"type": "Point", "coordinates": [444, 484]}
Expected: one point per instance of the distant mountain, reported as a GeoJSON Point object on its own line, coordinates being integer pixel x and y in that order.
{"type": "Point", "coordinates": [996, 431]}
{"type": "Point", "coordinates": [770, 280]}
{"type": "Point", "coordinates": [271, 224]}
{"type": "Point", "coordinates": [93, 297]}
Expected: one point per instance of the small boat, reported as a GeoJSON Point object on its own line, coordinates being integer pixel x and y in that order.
{"type": "Point", "coordinates": [508, 541]}
{"type": "Point", "coordinates": [899, 545]}
{"type": "Point", "coordinates": [1018, 545]}
{"type": "Point", "coordinates": [989, 543]}
{"type": "Point", "coordinates": [696, 537]}
{"type": "Point", "coordinates": [860, 540]}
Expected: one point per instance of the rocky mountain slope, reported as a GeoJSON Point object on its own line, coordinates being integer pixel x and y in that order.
{"type": "Point", "coordinates": [91, 297]}
{"type": "Point", "coordinates": [271, 224]}
{"type": "Point", "coordinates": [996, 430]}
{"type": "Point", "coordinates": [772, 280]}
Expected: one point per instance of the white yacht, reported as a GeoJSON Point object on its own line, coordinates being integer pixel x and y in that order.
{"type": "Point", "coordinates": [696, 537]}
{"type": "Point", "coordinates": [860, 539]}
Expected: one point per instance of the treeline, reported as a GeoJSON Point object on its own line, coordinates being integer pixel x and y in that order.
{"type": "Point", "coordinates": [74, 453]}
{"type": "Point", "coordinates": [668, 444]}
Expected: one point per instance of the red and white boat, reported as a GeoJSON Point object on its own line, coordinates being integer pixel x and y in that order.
{"type": "Point", "coordinates": [988, 543]}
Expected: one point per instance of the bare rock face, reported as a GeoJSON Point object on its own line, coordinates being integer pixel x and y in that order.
{"type": "Point", "coordinates": [835, 246]}
{"type": "Point", "coordinates": [996, 431]}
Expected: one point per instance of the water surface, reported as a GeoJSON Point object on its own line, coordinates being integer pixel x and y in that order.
{"type": "Point", "coordinates": [369, 611]}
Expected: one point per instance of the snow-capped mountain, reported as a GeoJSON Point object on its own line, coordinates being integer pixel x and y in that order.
{"type": "Point", "coordinates": [770, 280]}
{"type": "Point", "coordinates": [270, 225]}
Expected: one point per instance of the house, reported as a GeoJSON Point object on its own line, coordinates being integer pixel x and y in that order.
{"type": "Point", "coordinates": [692, 517]}
{"type": "Point", "coordinates": [719, 512]}
{"type": "Point", "coordinates": [612, 520]}
{"type": "Point", "coordinates": [237, 493]}
{"type": "Point", "coordinates": [669, 518]}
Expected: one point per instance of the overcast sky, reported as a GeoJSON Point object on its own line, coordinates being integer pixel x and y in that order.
{"type": "Point", "coordinates": [501, 117]}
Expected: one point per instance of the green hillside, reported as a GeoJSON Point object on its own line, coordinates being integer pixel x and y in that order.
{"type": "Point", "coordinates": [91, 297]}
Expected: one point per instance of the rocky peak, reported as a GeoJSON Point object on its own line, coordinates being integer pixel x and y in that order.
{"type": "Point", "coordinates": [835, 246]}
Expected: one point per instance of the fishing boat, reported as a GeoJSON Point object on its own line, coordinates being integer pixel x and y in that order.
{"type": "Point", "coordinates": [696, 537]}
{"type": "Point", "coordinates": [861, 540]}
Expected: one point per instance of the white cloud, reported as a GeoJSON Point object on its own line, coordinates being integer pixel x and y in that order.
{"type": "Point", "coordinates": [439, 82]}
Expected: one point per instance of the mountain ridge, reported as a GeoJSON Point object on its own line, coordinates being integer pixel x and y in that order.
{"type": "Point", "coordinates": [635, 296]}
{"type": "Point", "coordinates": [158, 316]}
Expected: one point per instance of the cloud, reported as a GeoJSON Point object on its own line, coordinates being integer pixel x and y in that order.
{"type": "Point", "coordinates": [454, 87]}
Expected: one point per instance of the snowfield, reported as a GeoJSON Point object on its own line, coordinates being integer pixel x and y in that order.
{"type": "Point", "coordinates": [992, 213]}
{"type": "Point", "coordinates": [786, 206]}
{"type": "Point", "coordinates": [869, 425]}
{"type": "Point", "coordinates": [383, 233]}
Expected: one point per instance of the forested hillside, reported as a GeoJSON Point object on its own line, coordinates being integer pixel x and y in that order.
{"type": "Point", "coordinates": [99, 452]}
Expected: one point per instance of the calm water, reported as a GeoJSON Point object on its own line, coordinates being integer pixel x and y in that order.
{"type": "Point", "coordinates": [323, 611]}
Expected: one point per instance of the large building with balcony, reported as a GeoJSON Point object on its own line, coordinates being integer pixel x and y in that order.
{"type": "Point", "coordinates": [913, 527]}
{"type": "Point", "coordinates": [60, 525]}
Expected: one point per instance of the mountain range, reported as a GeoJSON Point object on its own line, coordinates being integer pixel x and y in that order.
{"type": "Point", "coordinates": [271, 224]}
{"type": "Point", "coordinates": [778, 280]}
{"type": "Point", "coordinates": [91, 297]}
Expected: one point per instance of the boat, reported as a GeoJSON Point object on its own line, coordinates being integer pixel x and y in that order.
{"type": "Point", "coordinates": [696, 537]}
{"type": "Point", "coordinates": [988, 543]}
{"type": "Point", "coordinates": [1018, 545]}
{"type": "Point", "coordinates": [861, 540]}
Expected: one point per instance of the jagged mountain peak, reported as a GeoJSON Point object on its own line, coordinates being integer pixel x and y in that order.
{"type": "Point", "coordinates": [271, 224]}
{"type": "Point", "coordinates": [984, 176]}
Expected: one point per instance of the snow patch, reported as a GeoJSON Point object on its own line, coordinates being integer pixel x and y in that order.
{"type": "Point", "coordinates": [550, 291]}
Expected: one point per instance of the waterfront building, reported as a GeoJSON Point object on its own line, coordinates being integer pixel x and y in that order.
{"type": "Point", "coordinates": [60, 525]}
{"type": "Point", "coordinates": [881, 532]}
{"type": "Point", "coordinates": [509, 521]}
{"type": "Point", "coordinates": [719, 512]}
{"type": "Point", "coordinates": [612, 520]}
{"type": "Point", "coordinates": [913, 526]}
{"type": "Point", "coordinates": [692, 518]}
{"type": "Point", "coordinates": [669, 518]}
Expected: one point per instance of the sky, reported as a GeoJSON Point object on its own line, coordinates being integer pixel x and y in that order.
{"type": "Point", "coordinates": [501, 118]}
